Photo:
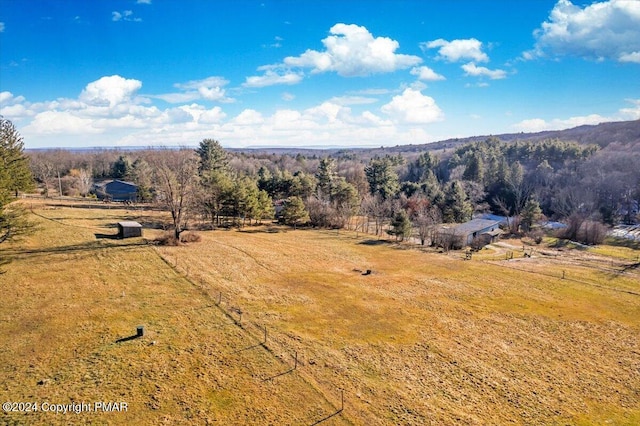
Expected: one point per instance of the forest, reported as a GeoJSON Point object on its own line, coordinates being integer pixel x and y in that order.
{"type": "Point", "coordinates": [401, 193]}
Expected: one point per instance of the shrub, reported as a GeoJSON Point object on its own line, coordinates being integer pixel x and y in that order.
{"type": "Point", "coordinates": [167, 239]}
{"type": "Point", "coordinates": [190, 238]}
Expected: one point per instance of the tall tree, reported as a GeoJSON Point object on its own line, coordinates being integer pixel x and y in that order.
{"type": "Point", "coordinates": [121, 169]}
{"type": "Point", "coordinates": [213, 157]}
{"type": "Point", "coordinates": [15, 176]}
{"type": "Point", "coordinates": [294, 212]}
{"type": "Point", "coordinates": [175, 175]}
{"type": "Point", "coordinates": [457, 207]}
{"type": "Point", "coordinates": [530, 214]}
{"type": "Point", "coordinates": [326, 176]}
{"type": "Point", "coordinates": [383, 180]}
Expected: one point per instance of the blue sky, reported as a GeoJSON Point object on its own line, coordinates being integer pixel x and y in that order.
{"type": "Point", "coordinates": [76, 73]}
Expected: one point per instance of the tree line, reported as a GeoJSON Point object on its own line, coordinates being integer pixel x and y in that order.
{"type": "Point", "coordinates": [402, 195]}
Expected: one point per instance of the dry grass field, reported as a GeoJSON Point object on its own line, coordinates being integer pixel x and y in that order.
{"type": "Point", "coordinates": [425, 338]}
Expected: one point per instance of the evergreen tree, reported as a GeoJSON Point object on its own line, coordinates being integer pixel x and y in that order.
{"type": "Point", "coordinates": [15, 176]}
{"type": "Point", "coordinates": [294, 212]}
{"type": "Point", "coordinates": [326, 176]}
{"type": "Point", "coordinates": [457, 207]}
{"type": "Point", "coordinates": [121, 168]}
{"type": "Point", "coordinates": [382, 179]}
{"type": "Point", "coordinates": [265, 206]}
{"type": "Point", "coordinates": [530, 214]}
{"type": "Point", "coordinates": [213, 157]}
{"type": "Point", "coordinates": [474, 170]}
{"type": "Point", "coordinates": [400, 226]}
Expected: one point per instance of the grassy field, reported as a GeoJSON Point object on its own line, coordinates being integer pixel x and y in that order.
{"type": "Point", "coordinates": [425, 338]}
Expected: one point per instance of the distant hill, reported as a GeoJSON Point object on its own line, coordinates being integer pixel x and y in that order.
{"type": "Point", "coordinates": [618, 136]}
{"type": "Point", "coordinates": [614, 136]}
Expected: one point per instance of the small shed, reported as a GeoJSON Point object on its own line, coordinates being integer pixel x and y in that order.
{"type": "Point", "coordinates": [129, 229]}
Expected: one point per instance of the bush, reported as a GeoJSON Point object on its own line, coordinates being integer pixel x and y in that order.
{"type": "Point", "coordinates": [190, 238]}
{"type": "Point", "coordinates": [167, 239]}
{"type": "Point", "coordinates": [584, 231]}
{"type": "Point", "coordinates": [536, 235]}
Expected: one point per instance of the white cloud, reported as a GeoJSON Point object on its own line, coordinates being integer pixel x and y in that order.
{"type": "Point", "coordinates": [539, 125]}
{"type": "Point", "coordinates": [630, 57]}
{"type": "Point", "coordinates": [351, 50]}
{"type": "Point", "coordinates": [210, 88]}
{"type": "Point", "coordinates": [126, 15]}
{"type": "Point", "coordinates": [473, 70]}
{"type": "Point", "coordinates": [426, 73]}
{"type": "Point", "coordinates": [61, 122]}
{"type": "Point", "coordinates": [632, 113]}
{"type": "Point", "coordinates": [457, 50]}
{"type": "Point", "coordinates": [413, 107]}
{"type": "Point", "coordinates": [143, 2]}
{"type": "Point", "coordinates": [286, 96]}
{"type": "Point", "coordinates": [248, 117]}
{"type": "Point", "coordinates": [601, 30]}
{"type": "Point", "coordinates": [2, 27]}
{"type": "Point", "coordinates": [109, 91]}
{"type": "Point", "coordinates": [272, 76]}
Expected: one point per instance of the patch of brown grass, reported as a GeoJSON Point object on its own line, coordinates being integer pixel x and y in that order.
{"type": "Point", "coordinates": [425, 339]}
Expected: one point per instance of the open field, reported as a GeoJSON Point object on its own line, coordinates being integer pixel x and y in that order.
{"type": "Point", "coordinates": [425, 338]}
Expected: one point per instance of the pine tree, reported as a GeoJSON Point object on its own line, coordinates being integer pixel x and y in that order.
{"type": "Point", "coordinates": [457, 207]}
{"type": "Point", "coordinates": [213, 157]}
{"type": "Point", "coordinates": [530, 214]}
{"type": "Point", "coordinates": [382, 179]}
{"type": "Point", "coordinates": [294, 212]}
{"type": "Point", "coordinates": [326, 176]}
{"type": "Point", "coordinates": [15, 176]}
{"type": "Point", "coordinates": [475, 169]}
{"type": "Point", "coordinates": [401, 226]}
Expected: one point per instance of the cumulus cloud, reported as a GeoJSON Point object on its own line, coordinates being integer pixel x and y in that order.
{"type": "Point", "coordinates": [272, 75]}
{"type": "Point", "coordinates": [109, 112]}
{"type": "Point", "coordinates": [109, 91]}
{"type": "Point", "coordinates": [457, 50]}
{"type": "Point", "coordinates": [602, 30]}
{"type": "Point", "coordinates": [210, 88]}
{"type": "Point", "coordinates": [413, 107]}
{"type": "Point", "coordinates": [351, 50]}
{"type": "Point", "coordinates": [426, 73]}
{"type": "Point", "coordinates": [473, 70]}
{"type": "Point", "coordinates": [61, 122]}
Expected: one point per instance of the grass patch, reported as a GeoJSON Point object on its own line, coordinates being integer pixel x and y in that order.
{"type": "Point", "coordinates": [425, 338]}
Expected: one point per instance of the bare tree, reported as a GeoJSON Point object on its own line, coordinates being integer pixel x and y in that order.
{"type": "Point", "coordinates": [83, 180]}
{"type": "Point", "coordinates": [176, 178]}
